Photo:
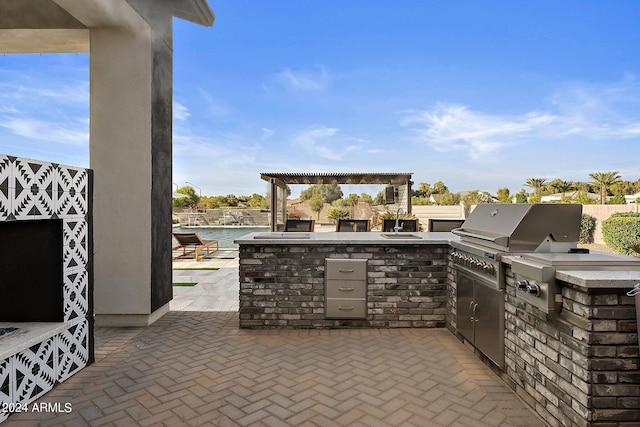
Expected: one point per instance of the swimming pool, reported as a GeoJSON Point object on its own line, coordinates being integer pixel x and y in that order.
{"type": "Point", "coordinates": [224, 235]}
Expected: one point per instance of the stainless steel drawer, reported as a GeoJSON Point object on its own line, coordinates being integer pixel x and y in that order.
{"type": "Point", "coordinates": [346, 269]}
{"type": "Point", "coordinates": [346, 289]}
{"type": "Point", "coordinates": [346, 308]}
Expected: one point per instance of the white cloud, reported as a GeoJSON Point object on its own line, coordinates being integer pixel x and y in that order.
{"type": "Point", "coordinates": [304, 80]}
{"type": "Point", "coordinates": [180, 112]}
{"type": "Point", "coordinates": [456, 128]}
{"type": "Point", "coordinates": [48, 131]}
{"type": "Point", "coordinates": [577, 112]}
{"type": "Point", "coordinates": [317, 140]}
{"type": "Point", "coordinates": [267, 133]}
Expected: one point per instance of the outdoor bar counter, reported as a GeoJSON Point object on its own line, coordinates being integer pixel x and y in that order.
{"type": "Point", "coordinates": [576, 366]}
{"type": "Point", "coordinates": [282, 279]}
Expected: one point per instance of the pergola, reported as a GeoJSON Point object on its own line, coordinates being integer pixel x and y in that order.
{"type": "Point", "coordinates": [280, 180]}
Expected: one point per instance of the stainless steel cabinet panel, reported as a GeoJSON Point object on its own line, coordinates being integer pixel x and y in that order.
{"type": "Point", "coordinates": [480, 315]}
{"type": "Point", "coordinates": [489, 322]}
{"type": "Point", "coordinates": [346, 288]}
{"type": "Point", "coordinates": [346, 269]}
{"type": "Point", "coordinates": [346, 309]}
{"type": "Point", "coordinates": [465, 306]}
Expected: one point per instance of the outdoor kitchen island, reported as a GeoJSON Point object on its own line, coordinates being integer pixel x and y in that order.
{"type": "Point", "coordinates": [380, 282]}
{"type": "Point", "coordinates": [563, 334]}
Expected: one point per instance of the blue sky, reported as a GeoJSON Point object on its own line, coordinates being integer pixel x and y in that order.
{"type": "Point", "coordinates": [477, 94]}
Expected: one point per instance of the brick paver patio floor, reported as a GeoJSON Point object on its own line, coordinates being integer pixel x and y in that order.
{"type": "Point", "coordinates": [198, 368]}
{"type": "Point", "coordinates": [195, 367]}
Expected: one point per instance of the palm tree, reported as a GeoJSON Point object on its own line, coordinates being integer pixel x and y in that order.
{"type": "Point", "coordinates": [604, 180]}
{"type": "Point", "coordinates": [536, 184]}
{"type": "Point", "coordinates": [561, 186]}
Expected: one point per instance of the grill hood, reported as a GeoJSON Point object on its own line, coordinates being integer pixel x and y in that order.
{"type": "Point", "coordinates": [522, 227]}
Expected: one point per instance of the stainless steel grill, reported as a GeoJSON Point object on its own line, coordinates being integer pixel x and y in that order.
{"type": "Point", "coordinates": [540, 239]}
{"type": "Point", "coordinates": [523, 227]}
{"type": "Point", "coordinates": [491, 232]}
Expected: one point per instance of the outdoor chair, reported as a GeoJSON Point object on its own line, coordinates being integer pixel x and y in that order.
{"type": "Point", "coordinates": [300, 225]}
{"type": "Point", "coordinates": [444, 224]}
{"type": "Point", "coordinates": [410, 225]}
{"type": "Point", "coordinates": [353, 225]}
{"type": "Point", "coordinates": [191, 243]}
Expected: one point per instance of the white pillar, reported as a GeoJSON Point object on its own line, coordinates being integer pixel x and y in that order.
{"type": "Point", "coordinates": [127, 155]}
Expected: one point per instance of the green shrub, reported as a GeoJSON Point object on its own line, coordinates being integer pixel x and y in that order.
{"type": "Point", "coordinates": [622, 231]}
{"type": "Point", "coordinates": [587, 227]}
{"type": "Point", "coordinates": [338, 213]}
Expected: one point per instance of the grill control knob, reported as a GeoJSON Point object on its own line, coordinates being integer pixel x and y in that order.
{"type": "Point", "coordinates": [533, 289]}
{"type": "Point", "coordinates": [522, 284]}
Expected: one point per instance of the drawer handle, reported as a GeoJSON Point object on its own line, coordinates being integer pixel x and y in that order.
{"type": "Point", "coordinates": [346, 289]}
{"type": "Point", "coordinates": [345, 271]}
{"type": "Point", "coordinates": [346, 308]}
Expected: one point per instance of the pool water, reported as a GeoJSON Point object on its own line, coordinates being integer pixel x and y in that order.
{"type": "Point", "coordinates": [224, 235]}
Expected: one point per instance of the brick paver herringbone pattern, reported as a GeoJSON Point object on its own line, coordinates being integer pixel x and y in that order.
{"type": "Point", "coordinates": [200, 369]}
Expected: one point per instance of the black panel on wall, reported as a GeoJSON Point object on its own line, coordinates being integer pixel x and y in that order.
{"type": "Point", "coordinates": [31, 271]}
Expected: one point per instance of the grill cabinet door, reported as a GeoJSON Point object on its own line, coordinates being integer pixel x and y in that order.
{"type": "Point", "coordinates": [464, 305]}
{"type": "Point", "coordinates": [489, 322]}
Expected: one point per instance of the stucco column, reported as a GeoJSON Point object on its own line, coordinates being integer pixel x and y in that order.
{"type": "Point", "coordinates": [130, 153]}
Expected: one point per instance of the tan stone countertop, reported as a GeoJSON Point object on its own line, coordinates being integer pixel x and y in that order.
{"type": "Point", "coordinates": [347, 238]}
{"type": "Point", "coordinates": [601, 279]}
{"type": "Point", "coordinates": [595, 276]}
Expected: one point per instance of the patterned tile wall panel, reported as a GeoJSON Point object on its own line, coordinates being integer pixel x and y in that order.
{"type": "Point", "coordinates": [6, 190]}
{"type": "Point", "coordinates": [34, 189]}
{"type": "Point", "coordinates": [73, 350]}
{"type": "Point", "coordinates": [29, 190]}
{"type": "Point", "coordinates": [6, 382]}
{"type": "Point", "coordinates": [35, 371]}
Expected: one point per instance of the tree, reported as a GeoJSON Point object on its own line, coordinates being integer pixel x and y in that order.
{"type": "Point", "coordinates": [449, 199]}
{"type": "Point", "coordinates": [536, 185]}
{"type": "Point", "coordinates": [439, 188]}
{"type": "Point", "coordinates": [474, 198]}
{"type": "Point", "coordinates": [352, 199]}
{"type": "Point", "coordinates": [583, 199]}
{"type": "Point", "coordinates": [604, 180]}
{"type": "Point", "coordinates": [521, 196]}
{"type": "Point", "coordinates": [191, 200]}
{"type": "Point", "coordinates": [624, 188]}
{"type": "Point", "coordinates": [366, 198]}
{"type": "Point", "coordinates": [380, 199]}
{"type": "Point", "coordinates": [420, 201]}
{"type": "Point", "coordinates": [328, 192]}
{"type": "Point", "coordinates": [317, 203]}
{"type": "Point", "coordinates": [424, 190]}
{"type": "Point", "coordinates": [503, 195]}
{"type": "Point", "coordinates": [561, 186]}
{"type": "Point", "coordinates": [258, 201]}
{"type": "Point", "coordinates": [617, 199]}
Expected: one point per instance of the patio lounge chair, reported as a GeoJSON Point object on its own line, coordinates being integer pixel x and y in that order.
{"type": "Point", "coordinates": [300, 225]}
{"type": "Point", "coordinates": [353, 225]}
{"type": "Point", "coordinates": [191, 243]}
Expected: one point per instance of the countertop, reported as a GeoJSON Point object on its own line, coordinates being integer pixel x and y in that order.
{"type": "Point", "coordinates": [587, 276]}
{"type": "Point", "coordinates": [592, 275]}
{"type": "Point", "coordinates": [598, 279]}
{"type": "Point", "coordinates": [346, 238]}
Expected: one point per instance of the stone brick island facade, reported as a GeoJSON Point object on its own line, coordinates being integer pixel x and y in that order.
{"type": "Point", "coordinates": [283, 285]}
